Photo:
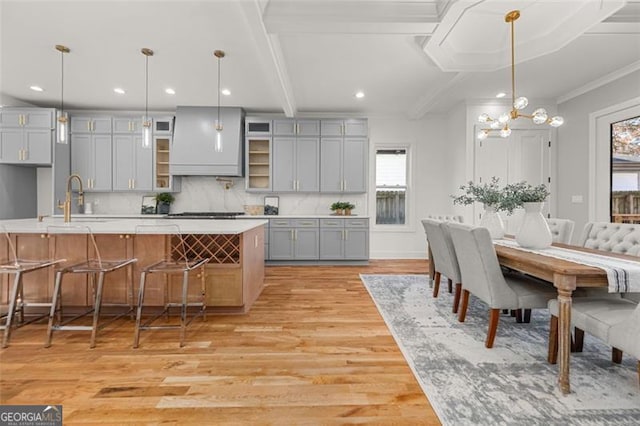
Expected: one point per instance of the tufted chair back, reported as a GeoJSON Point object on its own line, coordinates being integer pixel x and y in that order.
{"type": "Point", "coordinates": [446, 218]}
{"type": "Point", "coordinates": [444, 255]}
{"type": "Point", "coordinates": [561, 229]}
{"type": "Point", "coordinates": [614, 237]}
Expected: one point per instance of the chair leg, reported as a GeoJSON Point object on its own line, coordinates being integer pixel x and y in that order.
{"type": "Point", "coordinates": [518, 316]}
{"type": "Point", "coordinates": [638, 368]}
{"type": "Point", "coordinates": [450, 283]}
{"type": "Point", "coordinates": [456, 298]}
{"type": "Point", "coordinates": [54, 306]}
{"type": "Point", "coordinates": [183, 308]}
{"type": "Point", "coordinates": [462, 313]}
{"type": "Point", "coordinates": [136, 333]}
{"type": "Point", "coordinates": [494, 319]}
{"type": "Point", "coordinates": [579, 339]}
{"type": "Point", "coordinates": [527, 316]}
{"type": "Point", "coordinates": [552, 357]}
{"type": "Point", "coordinates": [12, 308]}
{"type": "Point", "coordinates": [203, 289]}
{"type": "Point", "coordinates": [436, 284]}
{"type": "Point", "coordinates": [616, 355]}
{"type": "Point", "coordinates": [96, 310]}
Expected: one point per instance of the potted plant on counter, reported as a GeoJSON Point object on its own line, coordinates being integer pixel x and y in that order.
{"type": "Point", "coordinates": [164, 200]}
{"type": "Point", "coordinates": [337, 208]}
{"type": "Point", "coordinates": [348, 207]}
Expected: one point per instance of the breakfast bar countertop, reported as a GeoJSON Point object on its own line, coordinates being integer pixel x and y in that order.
{"type": "Point", "coordinates": [128, 226]}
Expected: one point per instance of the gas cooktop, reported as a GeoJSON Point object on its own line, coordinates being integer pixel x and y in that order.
{"type": "Point", "coordinates": [205, 215]}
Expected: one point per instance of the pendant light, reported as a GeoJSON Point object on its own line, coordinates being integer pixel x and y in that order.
{"type": "Point", "coordinates": [146, 121]}
{"type": "Point", "coordinates": [63, 120]}
{"type": "Point", "coordinates": [501, 124]}
{"type": "Point", "coordinates": [218, 143]}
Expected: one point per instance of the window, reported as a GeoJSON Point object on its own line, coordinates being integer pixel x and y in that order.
{"type": "Point", "coordinates": [391, 186]}
{"type": "Point", "coordinates": [625, 170]}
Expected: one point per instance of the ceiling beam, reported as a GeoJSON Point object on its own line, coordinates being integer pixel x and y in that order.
{"type": "Point", "coordinates": [429, 100]}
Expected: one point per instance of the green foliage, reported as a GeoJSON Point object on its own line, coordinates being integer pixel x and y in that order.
{"type": "Point", "coordinates": [342, 205]}
{"type": "Point", "coordinates": [165, 197]}
{"type": "Point", "coordinates": [486, 193]}
{"type": "Point", "coordinates": [516, 194]}
{"type": "Point", "coordinates": [507, 199]}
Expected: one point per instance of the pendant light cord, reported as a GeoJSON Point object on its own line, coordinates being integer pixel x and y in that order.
{"type": "Point", "coordinates": [146, 88]}
{"type": "Point", "coordinates": [218, 91]}
{"type": "Point", "coordinates": [513, 66]}
{"type": "Point", "coordinates": [62, 83]}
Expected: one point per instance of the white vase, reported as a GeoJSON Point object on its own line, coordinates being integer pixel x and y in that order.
{"type": "Point", "coordinates": [534, 232]}
{"type": "Point", "coordinates": [493, 222]}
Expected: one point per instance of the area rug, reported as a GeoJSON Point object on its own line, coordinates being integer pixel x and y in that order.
{"type": "Point", "coordinates": [512, 383]}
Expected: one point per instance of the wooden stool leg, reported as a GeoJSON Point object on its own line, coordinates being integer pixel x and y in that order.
{"type": "Point", "coordinates": [12, 308]}
{"type": "Point", "coordinates": [579, 339]}
{"type": "Point", "coordinates": [54, 307]}
{"type": "Point", "coordinates": [136, 333]}
{"type": "Point", "coordinates": [96, 310]}
{"type": "Point", "coordinates": [203, 289]}
{"type": "Point", "coordinates": [552, 356]}
{"type": "Point", "coordinates": [494, 319]}
{"type": "Point", "coordinates": [616, 355]}
{"type": "Point", "coordinates": [450, 283]}
{"type": "Point", "coordinates": [456, 298]}
{"type": "Point", "coordinates": [183, 308]}
{"type": "Point", "coordinates": [462, 314]}
{"type": "Point", "coordinates": [436, 284]}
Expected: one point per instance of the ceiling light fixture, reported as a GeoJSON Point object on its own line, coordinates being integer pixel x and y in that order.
{"type": "Point", "coordinates": [539, 116]}
{"type": "Point", "coordinates": [169, 91]}
{"type": "Point", "coordinates": [36, 88]}
{"type": "Point", "coordinates": [501, 95]}
{"type": "Point", "coordinates": [62, 116]}
{"type": "Point", "coordinates": [146, 122]}
{"type": "Point", "coordinates": [218, 146]}
{"type": "Point", "coordinates": [226, 92]}
{"type": "Point", "coordinates": [119, 91]}
{"type": "Point", "coordinates": [360, 95]}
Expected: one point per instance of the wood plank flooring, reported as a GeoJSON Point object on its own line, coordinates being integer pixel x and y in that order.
{"type": "Point", "coordinates": [313, 350]}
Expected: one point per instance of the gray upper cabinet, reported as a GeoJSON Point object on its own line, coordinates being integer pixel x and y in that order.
{"type": "Point", "coordinates": [349, 127]}
{"type": "Point", "coordinates": [293, 127]}
{"type": "Point", "coordinates": [127, 125]}
{"type": "Point", "coordinates": [255, 126]}
{"type": "Point", "coordinates": [295, 164]}
{"type": "Point", "coordinates": [132, 164]}
{"type": "Point", "coordinates": [91, 158]}
{"type": "Point", "coordinates": [26, 135]}
{"type": "Point", "coordinates": [91, 124]}
{"type": "Point", "coordinates": [343, 164]}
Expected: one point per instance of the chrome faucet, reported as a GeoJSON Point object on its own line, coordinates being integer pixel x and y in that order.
{"type": "Point", "coordinates": [66, 206]}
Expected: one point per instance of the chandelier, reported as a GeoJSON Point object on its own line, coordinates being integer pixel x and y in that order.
{"type": "Point", "coordinates": [539, 116]}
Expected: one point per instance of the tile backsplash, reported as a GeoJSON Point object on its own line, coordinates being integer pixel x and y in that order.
{"type": "Point", "coordinates": [205, 193]}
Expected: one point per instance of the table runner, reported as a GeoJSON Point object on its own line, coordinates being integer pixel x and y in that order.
{"type": "Point", "coordinates": [623, 275]}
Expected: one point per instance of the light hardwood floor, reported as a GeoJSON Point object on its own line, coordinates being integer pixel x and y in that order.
{"type": "Point", "coordinates": [313, 350]}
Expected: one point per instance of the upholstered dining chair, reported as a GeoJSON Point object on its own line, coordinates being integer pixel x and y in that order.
{"type": "Point", "coordinates": [444, 218]}
{"type": "Point", "coordinates": [482, 276]}
{"type": "Point", "coordinates": [444, 257]}
{"type": "Point", "coordinates": [561, 230]}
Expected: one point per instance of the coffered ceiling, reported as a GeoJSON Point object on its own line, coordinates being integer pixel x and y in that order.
{"type": "Point", "coordinates": [308, 56]}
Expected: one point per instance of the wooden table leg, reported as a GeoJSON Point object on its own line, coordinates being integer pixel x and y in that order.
{"type": "Point", "coordinates": [565, 285]}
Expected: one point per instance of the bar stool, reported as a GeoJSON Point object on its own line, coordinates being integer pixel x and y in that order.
{"type": "Point", "coordinates": [17, 303]}
{"type": "Point", "coordinates": [176, 261]}
{"type": "Point", "coordinates": [95, 268]}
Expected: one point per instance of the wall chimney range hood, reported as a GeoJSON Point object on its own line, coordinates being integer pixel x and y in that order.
{"type": "Point", "coordinates": [193, 151]}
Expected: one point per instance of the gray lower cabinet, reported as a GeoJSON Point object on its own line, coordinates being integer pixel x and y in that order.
{"type": "Point", "coordinates": [294, 239]}
{"type": "Point", "coordinates": [344, 239]}
{"type": "Point", "coordinates": [132, 164]}
{"type": "Point", "coordinates": [91, 159]}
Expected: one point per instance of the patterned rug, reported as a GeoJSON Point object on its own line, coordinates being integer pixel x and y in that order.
{"type": "Point", "coordinates": [512, 383]}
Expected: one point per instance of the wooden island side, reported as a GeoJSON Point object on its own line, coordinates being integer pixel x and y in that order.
{"type": "Point", "coordinates": [234, 276]}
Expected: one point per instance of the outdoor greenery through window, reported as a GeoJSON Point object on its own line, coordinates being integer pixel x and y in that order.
{"type": "Point", "coordinates": [625, 170]}
{"type": "Point", "coordinates": [391, 186]}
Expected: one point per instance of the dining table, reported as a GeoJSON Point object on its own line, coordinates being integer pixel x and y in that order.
{"type": "Point", "coordinates": [566, 276]}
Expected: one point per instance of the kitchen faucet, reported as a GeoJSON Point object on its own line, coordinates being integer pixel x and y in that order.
{"type": "Point", "coordinates": [66, 206]}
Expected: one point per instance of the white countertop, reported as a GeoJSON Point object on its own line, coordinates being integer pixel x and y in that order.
{"type": "Point", "coordinates": [112, 225]}
{"type": "Point", "coordinates": [303, 216]}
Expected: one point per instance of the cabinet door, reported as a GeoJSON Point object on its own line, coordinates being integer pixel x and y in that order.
{"type": "Point", "coordinates": [356, 244]}
{"type": "Point", "coordinates": [331, 127]}
{"type": "Point", "coordinates": [123, 162]}
{"type": "Point", "coordinates": [80, 124]}
{"type": "Point", "coordinates": [123, 125]}
{"type": "Point", "coordinates": [331, 243]}
{"type": "Point", "coordinates": [10, 118]}
{"type": "Point", "coordinates": [38, 119]}
{"type": "Point", "coordinates": [308, 127]}
{"type": "Point", "coordinates": [281, 243]}
{"type": "Point", "coordinates": [307, 171]}
{"type": "Point", "coordinates": [355, 127]}
{"type": "Point", "coordinates": [284, 127]}
{"type": "Point", "coordinates": [37, 145]}
{"type": "Point", "coordinates": [82, 157]}
{"type": "Point", "coordinates": [331, 164]}
{"type": "Point", "coordinates": [354, 165]}
{"type": "Point", "coordinates": [143, 169]}
{"type": "Point", "coordinates": [307, 244]}
{"type": "Point", "coordinates": [283, 164]}
{"type": "Point", "coordinates": [11, 145]}
{"type": "Point", "coordinates": [101, 124]}
{"type": "Point", "coordinates": [102, 164]}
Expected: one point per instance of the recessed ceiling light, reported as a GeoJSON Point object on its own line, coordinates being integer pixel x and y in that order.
{"type": "Point", "coordinates": [360, 95]}
{"type": "Point", "coordinates": [226, 92]}
{"type": "Point", "coordinates": [36, 88]}
{"type": "Point", "coordinates": [501, 95]}
{"type": "Point", "coordinates": [119, 91]}
{"type": "Point", "coordinates": [169, 91]}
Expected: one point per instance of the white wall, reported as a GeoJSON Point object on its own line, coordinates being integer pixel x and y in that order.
{"type": "Point", "coordinates": [573, 141]}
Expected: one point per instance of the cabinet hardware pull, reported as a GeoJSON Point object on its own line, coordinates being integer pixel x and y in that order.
{"type": "Point", "coordinates": [331, 223]}
{"type": "Point", "coordinates": [133, 184]}
{"type": "Point", "coordinates": [342, 128]}
{"type": "Point", "coordinates": [346, 234]}
{"type": "Point", "coordinates": [297, 128]}
{"type": "Point", "coordinates": [127, 237]}
{"type": "Point", "coordinates": [292, 235]}
{"type": "Point", "coordinates": [121, 236]}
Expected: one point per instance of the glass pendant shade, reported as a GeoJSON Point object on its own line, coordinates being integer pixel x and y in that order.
{"type": "Point", "coordinates": [218, 144]}
{"type": "Point", "coordinates": [556, 121]}
{"type": "Point", "coordinates": [521, 103]}
{"type": "Point", "coordinates": [482, 135]}
{"type": "Point", "coordinates": [63, 119]}
{"type": "Point", "coordinates": [483, 118]}
{"type": "Point", "coordinates": [505, 133]}
{"type": "Point", "coordinates": [63, 129]}
{"type": "Point", "coordinates": [146, 132]}
{"type": "Point", "coordinates": [495, 125]}
{"type": "Point", "coordinates": [540, 116]}
{"type": "Point", "coordinates": [504, 118]}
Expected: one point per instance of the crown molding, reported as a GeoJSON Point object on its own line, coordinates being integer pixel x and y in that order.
{"type": "Point", "coordinates": [635, 66]}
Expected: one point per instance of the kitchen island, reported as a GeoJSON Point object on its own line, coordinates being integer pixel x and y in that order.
{"type": "Point", "coordinates": [234, 276]}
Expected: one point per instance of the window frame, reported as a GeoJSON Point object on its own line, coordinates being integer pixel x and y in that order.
{"type": "Point", "coordinates": [408, 225]}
